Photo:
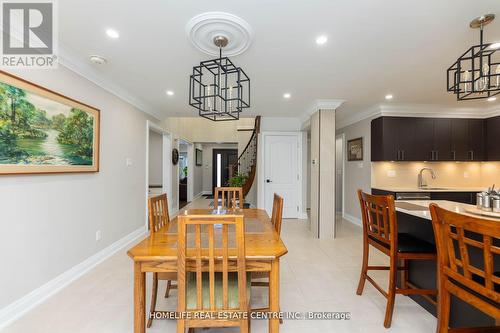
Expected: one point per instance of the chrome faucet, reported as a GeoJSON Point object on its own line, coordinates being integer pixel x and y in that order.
{"type": "Point", "coordinates": [421, 181]}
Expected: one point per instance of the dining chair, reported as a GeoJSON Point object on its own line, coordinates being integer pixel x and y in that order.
{"type": "Point", "coordinates": [158, 219]}
{"type": "Point", "coordinates": [276, 219]}
{"type": "Point", "coordinates": [477, 284]}
{"type": "Point", "coordinates": [380, 230]}
{"type": "Point", "coordinates": [212, 277]}
{"type": "Point", "coordinates": [230, 197]}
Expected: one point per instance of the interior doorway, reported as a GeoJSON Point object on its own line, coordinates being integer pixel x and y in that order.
{"type": "Point", "coordinates": [223, 162]}
{"type": "Point", "coordinates": [339, 178]}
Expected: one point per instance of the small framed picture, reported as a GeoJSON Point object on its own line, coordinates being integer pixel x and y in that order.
{"type": "Point", "coordinates": [199, 157]}
{"type": "Point", "coordinates": [355, 149]}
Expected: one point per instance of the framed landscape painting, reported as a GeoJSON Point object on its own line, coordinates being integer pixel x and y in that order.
{"type": "Point", "coordinates": [42, 131]}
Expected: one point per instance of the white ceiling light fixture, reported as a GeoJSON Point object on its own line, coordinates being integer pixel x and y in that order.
{"type": "Point", "coordinates": [491, 99]}
{"type": "Point", "coordinates": [98, 60]}
{"type": "Point", "coordinates": [112, 33]}
{"type": "Point", "coordinates": [389, 97]}
{"type": "Point", "coordinates": [170, 93]}
{"type": "Point", "coordinates": [321, 40]}
{"type": "Point", "coordinates": [287, 95]}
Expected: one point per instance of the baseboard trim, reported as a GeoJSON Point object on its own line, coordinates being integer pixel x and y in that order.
{"type": "Point", "coordinates": [352, 219]}
{"type": "Point", "coordinates": [18, 308]}
{"type": "Point", "coordinates": [206, 192]}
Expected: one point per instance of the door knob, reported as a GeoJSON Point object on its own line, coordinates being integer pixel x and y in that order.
{"type": "Point", "coordinates": [269, 181]}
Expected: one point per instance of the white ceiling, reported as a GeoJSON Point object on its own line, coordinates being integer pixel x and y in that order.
{"type": "Point", "coordinates": [374, 48]}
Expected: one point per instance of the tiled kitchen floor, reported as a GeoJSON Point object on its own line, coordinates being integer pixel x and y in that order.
{"type": "Point", "coordinates": [316, 275]}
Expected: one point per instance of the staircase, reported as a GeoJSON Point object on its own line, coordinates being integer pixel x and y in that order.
{"type": "Point", "coordinates": [247, 161]}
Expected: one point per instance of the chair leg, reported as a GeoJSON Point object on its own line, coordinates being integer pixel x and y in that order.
{"type": "Point", "coordinates": [191, 330]}
{"type": "Point", "coordinates": [154, 291]}
{"type": "Point", "coordinates": [364, 267]}
{"type": "Point", "coordinates": [393, 271]}
{"type": "Point", "coordinates": [169, 285]}
{"type": "Point", "coordinates": [245, 326]}
{"type": "Point", "coordinates": [443, 310]}
{"type": "Point", "coordinates": [404, 274]}
{"type": "Point", "coordinates": [181, 326]}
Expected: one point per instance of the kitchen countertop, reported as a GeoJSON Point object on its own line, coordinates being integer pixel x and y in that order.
{"type": "Point", "coordinates": [425, 213]}
{"type": "Point", "coordinates": [430, 189]}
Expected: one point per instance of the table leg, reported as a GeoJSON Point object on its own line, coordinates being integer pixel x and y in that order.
{"type": "Point", "coordinates": [139, 299]}
{"type": "Point", "coordinates": [274, 295]}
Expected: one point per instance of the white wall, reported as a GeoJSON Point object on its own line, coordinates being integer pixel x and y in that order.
{"type": "Point", "coordinates": [357, 174]}
{"type": "Point", "coordinates": [155, 158]}
{"type": "Point", "coordinates": [49, 222]}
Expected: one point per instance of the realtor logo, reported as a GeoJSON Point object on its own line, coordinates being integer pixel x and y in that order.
{"type": "Point", "coordinates": [29, 32]}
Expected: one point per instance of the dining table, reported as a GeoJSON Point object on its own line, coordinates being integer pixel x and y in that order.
{"type": "Point", "coordinates": [158, 253]}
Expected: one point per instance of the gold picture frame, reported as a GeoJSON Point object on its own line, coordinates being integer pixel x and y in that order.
{"type": "Point", "coordinates": [42, 131]}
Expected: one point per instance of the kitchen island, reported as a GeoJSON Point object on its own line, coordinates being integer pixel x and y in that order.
{"type": "Point", "coordinates": [414, 218]}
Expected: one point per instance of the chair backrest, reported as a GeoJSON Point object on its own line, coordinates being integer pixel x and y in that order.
{"type": "Point", "coordinates": [277, 215]}
{"type": "Point", "coordinates": [213, 259]}
{"type": "Point", "coordinates": [231, 197]}
{"type": "Point", "coordinates": [379, 218]}
{"type": "Point", "coordinates": [457, 236]}
{"type": "Point", "coordinates": [158, 212]}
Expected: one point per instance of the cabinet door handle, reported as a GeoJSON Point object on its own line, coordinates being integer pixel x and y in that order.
{"type": "Point", "coordinates": [398, 158]}
{"type": "Point", "coordinates": [402, 155]}
{"type": "Point", "coordinates": [433, 155]}
{"type": "Point", "coordinates": [454, 155]}
{"type": "Point", "coordinates": [471, 155]}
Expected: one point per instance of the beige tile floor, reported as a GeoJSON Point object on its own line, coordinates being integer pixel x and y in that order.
{"type": "Point", "coordinates": [316, 275]}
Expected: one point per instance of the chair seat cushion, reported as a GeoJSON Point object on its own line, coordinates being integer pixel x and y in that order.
{"type": "Point", "coordinates": [410, 244]}
{"type": "Point", "coordinates": [232, 287]}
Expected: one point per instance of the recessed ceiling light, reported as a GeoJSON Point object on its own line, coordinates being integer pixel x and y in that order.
{"type": "Point", "coordinates": [388, 96]}
{"type": "Point", "coordinates": [495, 46]}
{"type": "Point", "coordinates": [170, 93]}
{"type": "Point", "coordinates": [98, 60]}
{"type": "Point", "coordinates": [112, 33]}
{"type": "Point", "coordinates": [491, 99]}
{"type": "Point", "coordinates": [287, 95]}
{"type": "Point", "coordinates": [320, 40]}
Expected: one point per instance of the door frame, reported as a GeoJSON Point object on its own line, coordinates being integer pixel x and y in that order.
{"type": "Point", "coordinates": [166, 166]}
{"type": "Point", "coordinates": [344, 149]}
{"type": "Point", "coordinates": [214, 166]}
{"type": "Point", "coordinates": [261, 195]}
{"type": "Point", "coordinates": [190, 177]}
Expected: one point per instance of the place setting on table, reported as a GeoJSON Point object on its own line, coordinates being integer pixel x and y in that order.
{"type": "Point", "coordinates": [212, 257]}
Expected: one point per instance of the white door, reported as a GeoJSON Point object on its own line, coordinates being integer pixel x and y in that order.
{"type": "Point", "coordinates": [281, 172]}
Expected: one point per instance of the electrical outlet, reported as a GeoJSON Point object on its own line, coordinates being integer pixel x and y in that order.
{"type": "Point", "coordinates": [128, 161]}
{"type": "Point", "coordinates": [391, 173]}
{"type": "Point", "coordinates": [98, 235]}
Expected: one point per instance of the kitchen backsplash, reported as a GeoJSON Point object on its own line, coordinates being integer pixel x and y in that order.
{"type": "Point", "coordinates": [448, 174]}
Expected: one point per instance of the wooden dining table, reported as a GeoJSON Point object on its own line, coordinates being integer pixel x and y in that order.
{"type": "Point", "coordinates": [158, 253]}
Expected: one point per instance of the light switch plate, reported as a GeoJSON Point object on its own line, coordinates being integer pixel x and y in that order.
{"type": "Point", "coordinates": [128, 161]}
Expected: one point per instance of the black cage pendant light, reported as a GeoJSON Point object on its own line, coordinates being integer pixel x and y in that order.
{"type": "Point", "coordinates": [219, 89]}
{"type": "Point", "coordinates": [476, 73]}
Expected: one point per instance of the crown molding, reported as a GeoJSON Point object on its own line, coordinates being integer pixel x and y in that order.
{"type": "Point", "coordinates": [320, 104]}
{"type": "Point", "coordinates": [418, 110]}
{"type": "Point", "coordinates": [66, 59]}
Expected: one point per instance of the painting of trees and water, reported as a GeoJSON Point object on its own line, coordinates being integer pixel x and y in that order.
{"type": "Point", "coordinates": [36, 130]}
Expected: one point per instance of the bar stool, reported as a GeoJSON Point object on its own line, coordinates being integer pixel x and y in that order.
{"type": "Point", "coordinates": [380, 230]}
{"type": "Point", "coordinates": [473, 282]}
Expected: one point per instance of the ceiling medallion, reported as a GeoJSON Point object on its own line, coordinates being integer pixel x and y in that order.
{"type": "Point", "coordinates": [217, 88]}
{"type": "Point", "coordinates": [203, 28]}
{"type": "Point", "coordinates": [476, 73]}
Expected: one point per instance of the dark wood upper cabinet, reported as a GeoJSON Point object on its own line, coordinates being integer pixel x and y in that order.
{"type": "Point", "coordinates": [492, 142]}
{"type": "Point", "coordinates": [459, 140]}
{"type": "Point", "coordinates": [476, 140]}
{"type": "Point", "coordinates": [432, 139]}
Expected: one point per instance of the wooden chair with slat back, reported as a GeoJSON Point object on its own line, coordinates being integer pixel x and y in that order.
{"type": "Point", "coordinates": [158, 219]}
{"type": "Point", "coordinates": [212, 279]}
{"type": "Point", "coordinates": [230, 197]}
{"type": "Point", "coordinates": [477, 284]}
{"type": "Point", "coordinates": [276, 220]}
{"type": "Point", "coordinates": [380, 231]}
